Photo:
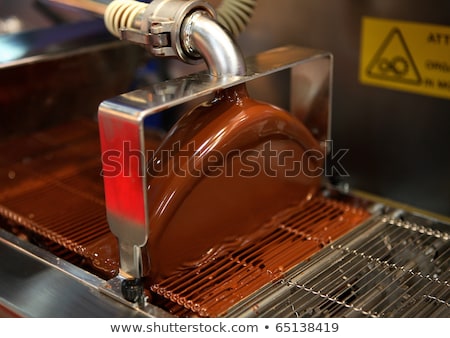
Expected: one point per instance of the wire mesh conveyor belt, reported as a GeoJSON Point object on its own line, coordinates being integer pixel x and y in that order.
{"type": "Point", "coordinates": [387, 268]}
{"type": "Point", "coordinates": [237, 270]}
{"type": "Point", "coordinates": [52, 194]}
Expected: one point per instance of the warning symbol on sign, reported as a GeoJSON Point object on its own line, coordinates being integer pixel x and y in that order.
{"type": "Point", "coordinates": [393, 61]}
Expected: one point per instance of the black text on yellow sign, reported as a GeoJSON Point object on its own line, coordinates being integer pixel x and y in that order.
{"type": "Point", "coordinates": [407, 56]}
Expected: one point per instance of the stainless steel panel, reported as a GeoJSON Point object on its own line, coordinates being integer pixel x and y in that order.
{"type": "Point", "coordinates": [34, 283]}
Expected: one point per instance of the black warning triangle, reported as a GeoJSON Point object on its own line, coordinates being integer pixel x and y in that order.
{"type": "Point", "coordinates": [393, 61]}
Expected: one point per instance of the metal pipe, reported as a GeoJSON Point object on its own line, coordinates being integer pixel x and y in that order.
{"type": "Point", "coordinates": [203, 35]}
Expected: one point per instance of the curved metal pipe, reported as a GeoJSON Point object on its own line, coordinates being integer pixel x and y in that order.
{"type": "Point", "coordinates": [203, 35]}
{"type": "Point", "coordinates": [191, 27]}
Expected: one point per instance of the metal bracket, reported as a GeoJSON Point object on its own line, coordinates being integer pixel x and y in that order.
{"type": "Point", "coordinates": [121, 122]}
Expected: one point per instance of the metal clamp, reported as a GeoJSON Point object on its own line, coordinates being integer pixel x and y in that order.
{"type": "Point", "coordinates": [158, 26]}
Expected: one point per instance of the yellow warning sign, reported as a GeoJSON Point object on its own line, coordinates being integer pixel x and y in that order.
{"type": "Point", "coordinates": [407, 56]}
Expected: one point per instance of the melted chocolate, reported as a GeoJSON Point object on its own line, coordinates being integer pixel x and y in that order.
{"type": "Point", "coordinates": [52, 194]}
{"type": "Point", "coordinates": [191, 211]}
{"type": "Point", "coordinates": [235, 269]}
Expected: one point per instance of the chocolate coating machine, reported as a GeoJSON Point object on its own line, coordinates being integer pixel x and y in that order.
{"type": "Point", "coordinates": [370, 257]}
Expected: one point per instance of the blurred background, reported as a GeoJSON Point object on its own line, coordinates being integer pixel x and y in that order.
{"type": "Point", "coordinates": [58, 62]}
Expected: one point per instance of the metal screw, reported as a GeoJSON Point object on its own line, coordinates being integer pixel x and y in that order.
{"type": "Point", "coordinates": [132, 289]}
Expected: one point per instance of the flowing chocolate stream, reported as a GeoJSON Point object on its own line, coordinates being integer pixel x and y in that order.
{"type": "Point", "coordinates": [220, 174]}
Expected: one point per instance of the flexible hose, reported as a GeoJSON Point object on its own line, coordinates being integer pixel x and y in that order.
{"type": "Point", "coordinates": [200, 34]}
{"type": "Point", "coordinates": [123, 13]}
{"type": "Point", "coordinates": [235, 15]}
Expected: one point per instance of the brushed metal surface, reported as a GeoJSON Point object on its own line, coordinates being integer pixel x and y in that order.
{"type": "Point", "coordinates": [34, 283]}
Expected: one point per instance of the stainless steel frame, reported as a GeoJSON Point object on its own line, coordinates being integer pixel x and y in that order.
{"type": "Point", "coordinates": [121, 121]}
{"type": "Point", "coordinates": [37, 277]}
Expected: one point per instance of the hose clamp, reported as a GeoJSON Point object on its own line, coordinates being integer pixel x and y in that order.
{"type": "Point", "coordinates": [162, 25]}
